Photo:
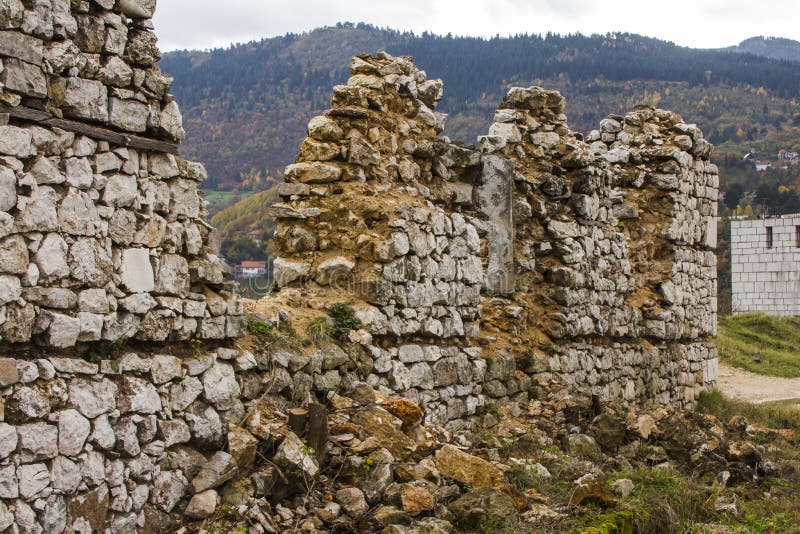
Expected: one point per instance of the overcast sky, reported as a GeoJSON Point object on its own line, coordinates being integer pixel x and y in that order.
{"type": "Point", "coordinates": [201, 24]}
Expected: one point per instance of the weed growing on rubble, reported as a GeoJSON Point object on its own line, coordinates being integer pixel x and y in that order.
{"type": "Point", "coordinates": [260, 328]}
{"type": "Point", "coordinates": [319, 331]}
{"type": "Point", "coordinates": [344, 319]}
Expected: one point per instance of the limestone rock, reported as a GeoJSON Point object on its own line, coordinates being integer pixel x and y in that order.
{"type": "Point", "coordinates": [173, 276]}
{"type": "Point", "coordinates": [202, 505]}
{"type": "Point", "coordinates": [26, 404]}
{"type": "Point", "coordinates": [164, 368]}
{"type": "Point", "coordinates": [286, 272]}
{"type": "Point", "coordinates": [23, 78]}
{"type": "Point", "coordinates": [63, 331]}
{"type": "Point", "coordinates": [37, 442]}
{"type": "Point", "coordinates": [482, 506]}
{"type": "Point", "coordinates": [404, 409]}
{"type": "Point", "coordinates": [352, 501]}
{"type": "Point", "coordinates": [592, 491]}
{"type": "Point", "coordinates": [324, 129]}
{"type": "Point", "coordinates": [294, 453]}
{"type": "Point", "coordinates": [205, 424]}
{"type": "Point", "coordinates": [120, 191]}
{"type": "Point", "coordinates": [129, 115]}
{"type": "Point", "coordinates": [15, 141]}
{"type": "Point", "coordinates": [219, 469]}
{"type": "Point", "coordinates": [584, 446]}
{"type": "Point", "coordinates": [77, 214]}
{"type": "Point", "coordinates": [136, 272]}
{"type": "Point", "coordinates": [185, 392]}
{"type": "Point", "coordinates": [8, 189]}
{"type": "Point", "coordinates": [335, 272]}
{"type": "Point", "coordinates": [10, 289]}
{"type": "Point", "coordinates": [467, 469]}
{"type": "Point", "coordinates": [220, 386]}
{"type": "Point", "coordinates": [622, 487]}
{"type": "Point", "coordinates": [169, 487]}
{"type": "Point", "coordinates": [174, 432]}
{"type": "Point", "coordinates": [73, 430]}
{"type": "Point", "coordinates": [137, 395]}
{"type": "Point", "coordinates": [33, 479]}
{"type": "Point", "coordinates": [46, 171]}
{"type": "Point", "coordinates": [312, 173]}
{"type": "Point", "coordinates": [93, 398]}
{"type": "Point", "coordinates": [171, 122]}
{"type": "Point", "coordinates": [51, 258]}
{"type": "Point", "coordinates": [86, 99]}
{"type": "Point", "coordinates": [416, 499]}
{"type": "Point", "coordinates": [388, 429]}
{"type": "Point", "coordinates": [89, 262]}
{"type": "Point", "coordinates": [8, 440]}
{"type": "Point", "coordinates": [243, 447]}
{"type": "Point", "coordinates": [38, 212]}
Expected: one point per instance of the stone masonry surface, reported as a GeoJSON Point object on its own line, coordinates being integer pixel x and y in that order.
{"type": "Point", "coordinates": [587, 261]}
{"type": "Point", "coordinates": [98, 241]}
{"type": "Point", "coordinates": [766, 278]}
{"type": "Point", "coordinates": [539, 262]}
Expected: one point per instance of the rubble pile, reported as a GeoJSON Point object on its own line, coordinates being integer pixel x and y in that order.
{"type": "Point", "coordinates": [384, 470]}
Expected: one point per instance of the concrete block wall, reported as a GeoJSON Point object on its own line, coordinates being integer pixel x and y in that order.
{"type": "Point", "coordinates": [766, 279]}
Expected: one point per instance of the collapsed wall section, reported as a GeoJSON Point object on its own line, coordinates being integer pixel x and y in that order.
{"type": "Point", "coordinates": [614, 248]}
{"type": "Point", "coordinates": [102, 228]}
{"type": "Point", "coordinates": [585, 262]}
{"type": "Point", "coordinates": [372, 217]}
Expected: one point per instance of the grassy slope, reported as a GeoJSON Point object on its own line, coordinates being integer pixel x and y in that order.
{"type": "Point", "coordinates": [761, 344]}
{"type": "Point", "coordinates": [248, 214]}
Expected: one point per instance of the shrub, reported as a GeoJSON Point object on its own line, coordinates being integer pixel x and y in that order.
{"type": "Point", "coordinates": [319, 330]}
{"type": "Point", "coordinates": [260, 328]}
{"type": "Point", "coordinates": [344, 319]}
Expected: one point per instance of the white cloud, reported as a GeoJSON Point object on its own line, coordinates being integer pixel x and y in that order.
{"type": "Point", "coordinates": [700, 23]}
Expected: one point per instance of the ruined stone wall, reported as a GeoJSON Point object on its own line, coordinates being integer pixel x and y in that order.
{"type": "Point", "coordinates": [478, 275]}
{"type": "Point", "coordinates": [616, 275]}
{"type": "Point", "coordinates": [103, 240]}
{"type": "Point", "coordinates": [765, 276]}
{"type": "Point", "coordinates": [102, 231]}
{"type": "Point", "coordinates": [539, 256]}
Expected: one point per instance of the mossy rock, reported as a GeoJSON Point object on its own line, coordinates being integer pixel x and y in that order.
{"type": "Point", "coordinates": [616, 523]}
{"type": "Point", "coordinates": [481, 506]}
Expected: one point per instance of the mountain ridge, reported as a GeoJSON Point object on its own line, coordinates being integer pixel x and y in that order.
{"type": "Point", "coordinates": [246, 106]}
{"type": "Point", "coordinates": [779, 48]}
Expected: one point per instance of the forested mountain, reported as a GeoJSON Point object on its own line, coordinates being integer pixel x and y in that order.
{"type": "Point", "coordinates": [246, 107]}
{"type": "Point", "coordinates": [770, 47]}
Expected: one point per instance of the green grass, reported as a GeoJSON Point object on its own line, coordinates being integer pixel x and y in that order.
{"type": "Point", "coordinates": [219, 200]}
{"type": "Point", "coordinates": [761, 344]}
{"type": "Point", "coordinates": [782, 414]}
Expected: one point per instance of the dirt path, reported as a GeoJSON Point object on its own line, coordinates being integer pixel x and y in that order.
{"type": "Point", "coordinates": [743, 385]}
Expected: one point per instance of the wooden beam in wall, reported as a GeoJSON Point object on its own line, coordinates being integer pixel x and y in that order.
{"type": "Point", "coordinates": [43, 118]}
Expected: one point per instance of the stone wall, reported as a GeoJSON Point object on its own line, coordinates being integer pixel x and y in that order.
{"type": "Point", "coordinates": [102, 232]}
{"type": "Point", "coordinates": [616, 276]}
{"type": "Point", "coordinates": [766, 278]}
{"type": "Point", "coordinates": [480, 276]}
{"type": "Point", "coordinates": [125, 443]}
{"type": "Point", "coordinates": [585, 262]}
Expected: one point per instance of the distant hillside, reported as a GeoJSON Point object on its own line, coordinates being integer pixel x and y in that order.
{"type": "Point", "coordinates": [770, 47]}
{"type": "Point", "coordinates": [246, 107]}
